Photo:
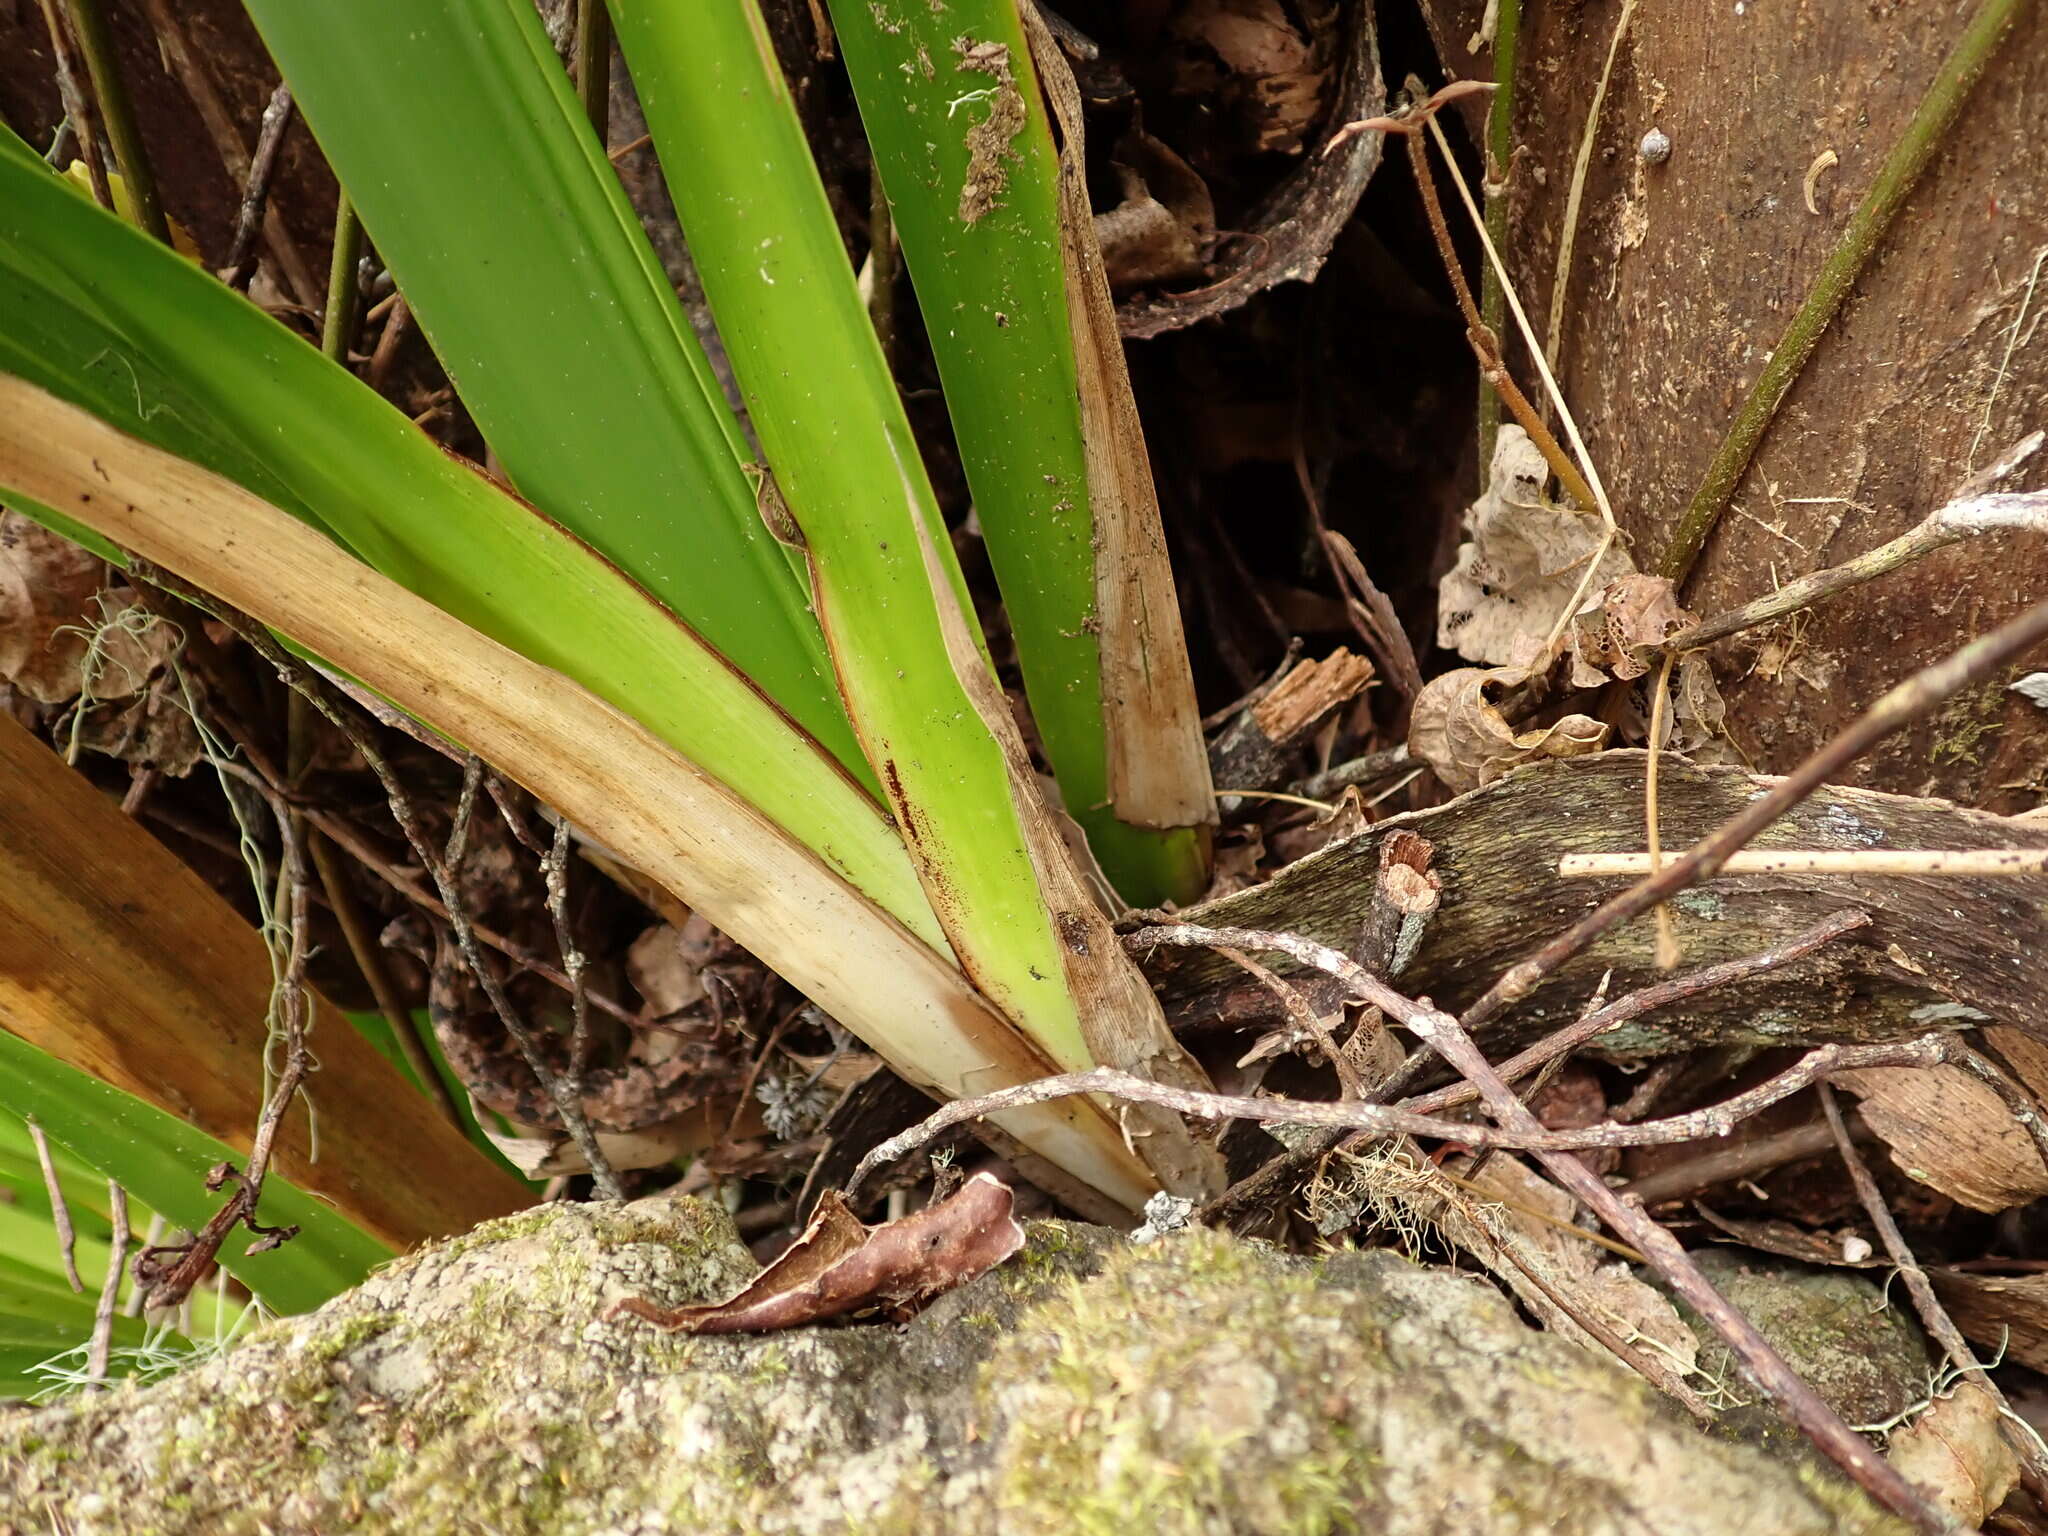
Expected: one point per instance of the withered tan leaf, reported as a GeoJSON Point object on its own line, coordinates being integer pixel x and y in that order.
{"type": "Point", "coordinates": [1958, 1452]}
{"type": "Point", "coordinates": [1949, 1131]}
{"type": "Point", "coordinates": [1457, 729]}
{"type": "Point", "coordinates": [1612, 636]}
{"type": "Point", "coordinates": [841, 1267]}
{"type": "Point", "coordinates": [1522, 565]}
{"type": "Point", "coordinates": [1158, 763]}
{"type": "Point", "coordinates": [47, 586]}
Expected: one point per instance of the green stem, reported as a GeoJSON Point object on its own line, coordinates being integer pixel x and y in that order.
{"type": "Point", "coordinates": [1866, 230]}
{"type": "Point", "coordinates": [1500, 148]}
{"type": "Point", "coordinates": [594, 63]}
{"type": "Point", "coordinates": [96, 42]}
{"type": "Point", "coordinates": [338, 320]}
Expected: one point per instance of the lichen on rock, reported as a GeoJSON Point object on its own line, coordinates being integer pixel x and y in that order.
{"type": "Point", "coordinates": [1193, 1385]}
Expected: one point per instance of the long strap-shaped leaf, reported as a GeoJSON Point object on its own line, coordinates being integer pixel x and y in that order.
{"type": "Point", "coordinates": [463, 147]}
{"type": "Point", "coordinates": [827, 412]}
{"type": "Point", "coordinates": [1018, 312]}
{"type": "Point", "coordinates": [116, 960]}
{"type": "Point", "coordinates": [658, 811]}
{"type": "Point", "coordinates": [102, 316]}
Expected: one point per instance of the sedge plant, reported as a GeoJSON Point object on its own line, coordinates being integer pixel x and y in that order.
{"type": "Point", "coordinates": [741, 658]}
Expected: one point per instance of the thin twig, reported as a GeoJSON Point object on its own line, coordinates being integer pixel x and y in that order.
{"type": "Point", "coordinates": [1634, 1005]}
{"type": "Point", "coordinates": [1551, 390]}
{"type": "Point", "coordinates": [385, 354]}
{"type": "Point", "coordinates": [442, 870]}
{"type": "Point", "coordinates": [170, 1273]}
{"type": "Point", "coordinates": [1305, 1018]}
{"type": "Point", "coordinates": [369, 959]}
{"type": "Point", "coordinates": [79, 109]}
{"type": "Point", "coordinates": [277, 117]}
{"type": "Point", "coordinates": [1933, 1315]}
{"type": "Point", "coordinates": [1500, 156]}
{"type": "Point", "coordinates": [101, 1349]}
{"type": "Point", "coordinates": [1486, 345]}
{"type": "Point", "coordinates": [1281, 1172]}
{"type": "Point", "coordinates": [446, 871]}
{"type": "Point", "coordinates": [1574, 196]}
{"type": "Point", "coordinates": [60, 1212]}
{"type": "Point", "coordinates": [1865, 232]}
{"type": "Point", "coordinates": [556, 873]}
{"type": "Point", "coordinates": [1744, 1160]}
{"type": "Point", "coordinates": [1918, 695]}
{"type": "Point", "coordinates": [1668, 953]}
{"type": "Point", "coordinates": [1378, 1121]}
{"type": "Point", "coordinates": [1951, 524]}
{"type": "Point", "coordinates": [226, 134]}
{"type": "Point", "coordinates": [1975, 863]}
{"type": "Point", "coordinates": [1792, 1396]}
{"type": "Point", "coordinates": [1509, 1247]}
{"type": "Point", "coordinates": [1547, 1074]}
{"type": "Point", "coordinates": [131, 159]}
{"type": "Point", "coordinates": [347, 839]}
{"type": "Point", "coordinates": [1373, 768]}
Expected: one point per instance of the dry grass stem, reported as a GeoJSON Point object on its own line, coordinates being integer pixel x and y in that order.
{"type": "Point", "coordinates": [60, 1210]}
{"type": "Point", "coordinates": [1974, 863]}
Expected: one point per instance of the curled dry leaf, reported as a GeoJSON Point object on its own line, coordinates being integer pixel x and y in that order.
{"type": "Point", "coordinates": [842, 1267]}
{"type": "Point", "coordinates": [1165, 227]}
{"type": "Point", "coordinates": [1268, 73]}
{"type": "Point", "coordinates": [1957, 1452]}
{"type": "Point", "coordinates": [1612, 637]}
{"type": "Point", "coordinates": [1949, 1131]}
{"type": "Point", "coordinates": [666, 964]}
{"type": "Point", "coordinates": [1457, 729]}
{"type": "Point", "coordinates": [1522, 565]}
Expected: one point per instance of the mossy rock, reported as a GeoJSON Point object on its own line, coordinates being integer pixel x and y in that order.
{"type": "Point", "coordinates": [1195, 1385]}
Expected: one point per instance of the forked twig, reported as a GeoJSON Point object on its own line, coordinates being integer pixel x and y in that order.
{"type": "Point", "coordinates": [1278, 1174]}
{"type": "Point", "coordinates": [1378, 1121]}
{"type": "Point", "coordinates": [101, 1349]}
{"type": "Point", "coordinates": [277, 117]}
{"type": "Point", "coordinates": [1793, 1397]}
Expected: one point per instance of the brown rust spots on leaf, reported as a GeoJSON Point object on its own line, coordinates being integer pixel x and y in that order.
{"type": "Point", "coordinates": [989, 140]}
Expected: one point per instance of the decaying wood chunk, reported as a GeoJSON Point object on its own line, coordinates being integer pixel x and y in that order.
{"type": "Point", "coordinates": [1939, 951]}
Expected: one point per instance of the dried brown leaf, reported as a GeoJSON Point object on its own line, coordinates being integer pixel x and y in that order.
{"type": "Point", "coordinates": [1957, 1452]}
{"type": "Point", "coordinates": [1522, 565]}
{"type": "Point", "coordinates": [1611, 638]}
{"type": "Point", "coordinates": [1275, 74]}
{"type": "Point", "coordinates": [1465, 739]}
{"type": "Point", "coordinates": [1948, 1130]}
{"type": "Point", "coordinates": [2001, 1314]}
{"type": "Point", "coordinates": [47, 587]}
{"type": "Point", "coordinates": [666, 964]}
{"type": "Point", "coordinates": [841, 1267]}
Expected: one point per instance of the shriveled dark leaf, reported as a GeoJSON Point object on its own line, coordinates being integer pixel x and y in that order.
{"type": "Point", "coordinates": [841, 1267]}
